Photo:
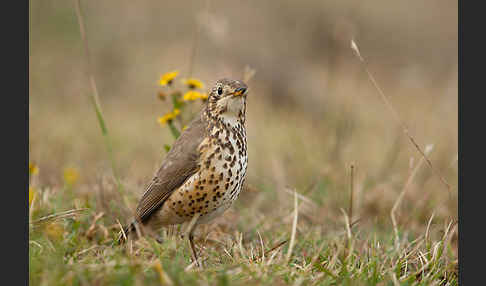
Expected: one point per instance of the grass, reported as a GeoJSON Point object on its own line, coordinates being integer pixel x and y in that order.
{"type": "Point", "coordinates": [77, 249]}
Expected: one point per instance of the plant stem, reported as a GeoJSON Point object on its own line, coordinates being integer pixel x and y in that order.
{"type": "Point", "coordinates": [94, 98]}
{"type": "Point", "coordinates": [174, 130]}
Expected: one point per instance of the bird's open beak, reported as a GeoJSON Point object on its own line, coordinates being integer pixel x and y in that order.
{"type": "Point", "coordinates": [240, 91]}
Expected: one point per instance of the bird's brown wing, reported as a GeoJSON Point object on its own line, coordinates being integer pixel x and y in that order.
{"type": "Point", "coordinates": [180, 163]}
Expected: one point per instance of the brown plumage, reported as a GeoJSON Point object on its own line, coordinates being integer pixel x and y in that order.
{"type": "Point", "coordinates": [204, 171]}
{"type": "Point", "coordinates": [180, 163]}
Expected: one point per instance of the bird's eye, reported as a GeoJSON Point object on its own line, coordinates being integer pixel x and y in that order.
{"type": "Point", "coordinates": [220, 90]}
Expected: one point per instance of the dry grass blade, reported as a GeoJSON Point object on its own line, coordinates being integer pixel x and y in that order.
{"type": "Point", "coordinates": [122, 230]}
{"type": "Point", "coordinates": [271, 249]}
{"type": "Point", "coordinates": [426, 238]}
{"type": "Point", "coordinates": [428, 149]}
{"type": "Point", "coordinates": [263, 247]}
{"type": "Point", "coordinates": [448, 234]}
{"type": "Point", "coordinates": [355, 48]}
{"type": "Point", "coordinates": [91, 229]}
{"type": "Point", "coordinates": [59, 215]}
{"type": "Point", "coordinates": [351, 192]}
{"type": "Point", "coordinates": [300, 196]}
{"type": "Point", "coordinates": [294, 227]}
{"type": "Point", "coordinates": [86, 250]}
{"type": "Point", "coordinates": [346, 221]}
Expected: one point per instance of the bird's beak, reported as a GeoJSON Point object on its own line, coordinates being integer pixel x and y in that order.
{"type": "Point", "coordinates": [240, 91]}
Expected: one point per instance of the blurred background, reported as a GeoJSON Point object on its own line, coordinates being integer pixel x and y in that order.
{"type": "Point", "coordinates": [312, 111]}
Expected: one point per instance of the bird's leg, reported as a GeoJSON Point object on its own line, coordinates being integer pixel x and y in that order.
{"type": "Point", "coordinates": [194, 253]}
{"type": "Point", "coordinates": [190, 230]}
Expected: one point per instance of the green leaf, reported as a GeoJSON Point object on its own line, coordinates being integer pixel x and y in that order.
{"type": "Point", "coordinates": [167, 147]}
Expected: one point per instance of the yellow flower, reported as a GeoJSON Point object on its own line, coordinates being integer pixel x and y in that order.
{"type": "Point", "coordinates": [193, 83]}
{"type": "Point", "coordinates": [169, 116]}
{"type": "Point", "coordinates": [33, 169]}
{"type": "Point", "coordinates": [70, 176]}
{"type": "Point", "coordinates": [204, 96]}
{"type": "Point", "coordinates": [191, 95]}
{"type": "Point", "coordinates": [166, 79]}
{"type": "Point", "coordinates": [54, 231]}
{"type": "Point", "coordinates": [184, 128]}
{"type": "Point", "coordinates": [31, 195]}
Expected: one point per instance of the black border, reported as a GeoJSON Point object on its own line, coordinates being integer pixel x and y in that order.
{"type": "Point", "coordinates": [14, 25]}
{"type": "Point", "coordinates": [472, 64]}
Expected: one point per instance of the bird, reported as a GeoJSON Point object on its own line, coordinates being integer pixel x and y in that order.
{"type": "Point", "coordinates": [204, 171]}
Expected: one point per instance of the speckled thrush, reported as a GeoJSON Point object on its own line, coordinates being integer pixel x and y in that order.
{"type": "Point", "coordinates": [204, 171]}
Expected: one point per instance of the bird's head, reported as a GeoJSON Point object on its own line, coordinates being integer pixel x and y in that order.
{"type": "Point", "coordinates": [227, 100]}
